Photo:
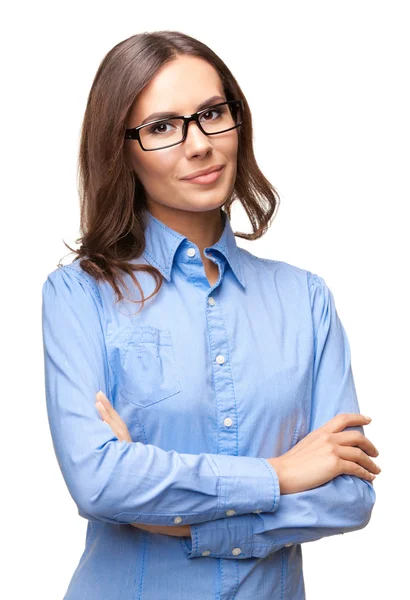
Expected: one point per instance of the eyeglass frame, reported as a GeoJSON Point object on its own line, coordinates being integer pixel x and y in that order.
{"type": "Point", "coordinates": [133, 133]}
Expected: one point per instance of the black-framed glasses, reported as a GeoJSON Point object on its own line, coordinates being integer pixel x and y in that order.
{"type": "Point", "coordinates": [164, 133]}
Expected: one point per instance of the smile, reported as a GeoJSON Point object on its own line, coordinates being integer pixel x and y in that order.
{"type": "Point", "coordinates": [206, 179]}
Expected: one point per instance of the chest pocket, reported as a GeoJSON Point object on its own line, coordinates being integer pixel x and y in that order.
{"type": "Point", "coordinates": [148, 369]}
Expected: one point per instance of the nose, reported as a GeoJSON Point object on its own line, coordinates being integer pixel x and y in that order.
{"type": "Point", "coordinates": [196, 139]}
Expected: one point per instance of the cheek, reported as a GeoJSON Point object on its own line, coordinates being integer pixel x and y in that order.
{"type": "Point", "coordinates": [230, 148]}
{"type": "Point", "coordinates": [231, 153]}
{"type": "Point", "coordinates": [234, 148]}
{"type": "Point", "coordinates": [154, 169]}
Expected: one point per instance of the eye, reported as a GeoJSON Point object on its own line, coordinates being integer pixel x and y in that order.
{"type": "Point", "coordinates": [153, 128]}
{"type": "Point", "coordinates": [218, 111]}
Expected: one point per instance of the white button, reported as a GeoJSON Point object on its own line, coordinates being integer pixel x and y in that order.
{"type": "Point", "coordinates": [206, 553]}
{"type": "Point", "coordinates": [230, 512]}
{"type": "Point", "coordinates": [236, 551]}
{"type": "Point", "coordinates": [228, 421]}
{"type": "Point", "coordinates": [257, 511]}
{"type": "Point", "coordinates": [211, 301]}
{"type": "Point", "coordinates": [177, 519]}
{"type": "Point", "coordinates": [220, 359]}
{"type": "Point", "coordinates": [191, 252]}
{"type": "Point", "coordinates": [287, 545]}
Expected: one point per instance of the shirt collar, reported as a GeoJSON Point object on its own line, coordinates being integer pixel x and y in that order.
{"type": "Point", "coordinates": [162, 242]}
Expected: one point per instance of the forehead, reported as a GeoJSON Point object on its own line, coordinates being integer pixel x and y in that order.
{"type": "Point", "coordinates": [180, 85]}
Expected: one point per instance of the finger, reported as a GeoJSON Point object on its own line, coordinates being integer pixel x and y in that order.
{"type": "Point", "coordinates": [351, 468]}
{"type": "Point", "coordinates": [111, 416]}
{"type": "Point", "coordinates": [109, 410]}
{"type": "Point", "coordinates": [358, 456]}
{"type": "Point", "coordinates": [119, 429]}
{"type": "Point", "coordinates": [355, 438]}
{"type": "Point", "coordinates": [104, 400]}
{"type": "Point", "coordinates": [103, 413]}
{"type": "Point", "coordinates": [343, 420]}
{"type": "Point", "coordinates": [106, 415]}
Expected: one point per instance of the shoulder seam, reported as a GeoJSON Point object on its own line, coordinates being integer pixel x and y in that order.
{"type": "Point", "coordinates": [313, 277]}
{"type": "Point", "coordinates": [81, 276]}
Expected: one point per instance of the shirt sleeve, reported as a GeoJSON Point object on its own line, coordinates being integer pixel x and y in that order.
{"type": "Point", "coordinates": [341, 505]}
{"type": "Point", "coordinates": [116, 481]}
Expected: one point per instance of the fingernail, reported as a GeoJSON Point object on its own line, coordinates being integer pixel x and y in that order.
{"type": "Point", "coordinates": [100, 405]}
{"type": "Point", "coordinates": [367, 418]}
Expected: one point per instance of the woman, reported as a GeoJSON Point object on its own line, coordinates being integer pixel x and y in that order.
{"type": "Point", "coordinates": [227, 431]}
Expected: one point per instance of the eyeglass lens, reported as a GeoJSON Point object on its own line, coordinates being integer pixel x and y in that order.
{"type": "Point", "coordinates": [170, 131]}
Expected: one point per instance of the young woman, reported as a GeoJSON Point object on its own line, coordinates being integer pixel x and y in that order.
{"type": "Point", "coordinates": [227, 431]}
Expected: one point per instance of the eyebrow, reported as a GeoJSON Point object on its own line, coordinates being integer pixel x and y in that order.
{"type": "Point", "coordinates": [167, 115]}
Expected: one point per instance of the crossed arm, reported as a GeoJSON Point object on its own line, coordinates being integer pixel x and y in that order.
{"type": "Point", "coordinates": [120, 430]}
{"type": "Point", "coordinates": [294, 476]}
{"type": "Point", "coordinates": [93, 463]}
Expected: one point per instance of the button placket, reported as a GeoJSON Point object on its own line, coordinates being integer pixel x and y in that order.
{"type": "Point", "coordinates": [225, 400]}
{"type": "Point", "coordinates": [195, 269]}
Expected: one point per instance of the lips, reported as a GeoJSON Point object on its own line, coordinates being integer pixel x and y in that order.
{"type": "Point", "coordinates": [204, 172]}
{"type": "Point", "coordinates": [208, 179]}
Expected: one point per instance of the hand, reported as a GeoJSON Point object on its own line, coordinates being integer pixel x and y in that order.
{"type": "Point", "coordinates": [120, 430]}
{"type": "Point", "coordinates": [326, 453]}
{"type": "Point", "coordinates": [112, 418]}
{"type": "Point", "coordinates": [177, 530]}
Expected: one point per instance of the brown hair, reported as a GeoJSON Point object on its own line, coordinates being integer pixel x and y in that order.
{"type": "Point", "coordinates": [112, 199]}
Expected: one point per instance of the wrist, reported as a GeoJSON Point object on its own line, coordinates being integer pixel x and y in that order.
{"type": "Point", "coordinates": [276, 465]}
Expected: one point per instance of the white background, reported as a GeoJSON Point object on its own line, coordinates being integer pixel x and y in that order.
{"type": "Point", "coordinates": [328, 87]}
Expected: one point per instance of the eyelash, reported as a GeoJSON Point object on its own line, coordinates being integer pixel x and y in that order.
{"type": "Point", "coordinates": [153, 127]}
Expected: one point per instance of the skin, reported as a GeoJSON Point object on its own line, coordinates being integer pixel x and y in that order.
{"type": "Point", "coordinates": [319, 457]}
{"type": "Point", "coordinates": [112, 418]}
{"type": "Point", "coordinates": [194, 210]}
{"type": "Point", "coordinates": [191, 209]}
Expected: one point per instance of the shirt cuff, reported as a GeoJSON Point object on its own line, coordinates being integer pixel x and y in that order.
{"type": "Point", "coordinates": [246, 485]}
{"type": "Point", "coordinates": [224, 538]}
{"type": "Point", "coordinates": [253, 487]}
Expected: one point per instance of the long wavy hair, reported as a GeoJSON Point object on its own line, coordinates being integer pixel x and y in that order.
{"type": "Point", "coordinates": [112, 198]}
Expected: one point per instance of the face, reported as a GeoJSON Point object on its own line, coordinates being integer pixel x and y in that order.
{"type": "Point", "coordinates": [181, 86]}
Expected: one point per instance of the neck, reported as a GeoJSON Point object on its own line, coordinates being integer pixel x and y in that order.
{"type": "Point", "coordinates": [202, 228]}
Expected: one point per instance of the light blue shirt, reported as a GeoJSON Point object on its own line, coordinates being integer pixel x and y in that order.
{"type": "Point", "coordinates": [211, 381]}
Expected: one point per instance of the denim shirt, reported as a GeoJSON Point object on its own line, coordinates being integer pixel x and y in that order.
{"type": "Point", "coordinates": [211, 380]}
